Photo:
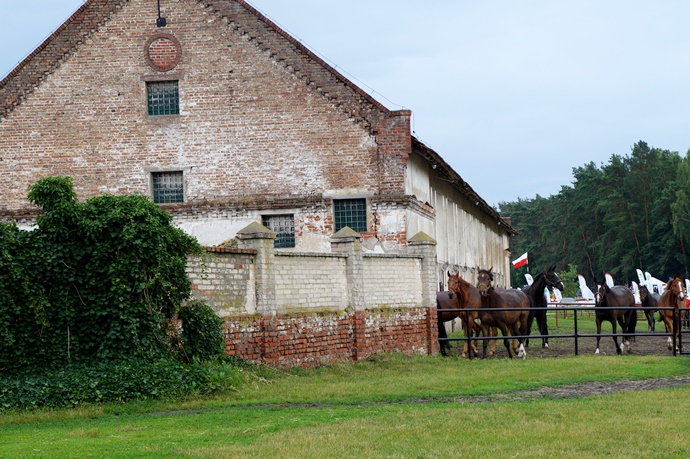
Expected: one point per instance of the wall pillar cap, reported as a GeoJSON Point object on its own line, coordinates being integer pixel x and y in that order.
{"type": "Point", "coordinates": [345, 234]}
{"type": "Point", "coordinates": [421, 238]}
{"type": "Point", "coordinates": [255, 230]}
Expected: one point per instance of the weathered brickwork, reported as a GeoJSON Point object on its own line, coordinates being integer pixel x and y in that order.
{"type": "Point", "coordinates": [318, 339]}
{"type": "Point", "coordinates": [261, 118]}
{"type": "Point", "coordinates": [224, 279]}
{"type": "Point", "coordinates": [265, 127]}
{"type": "Point", "coordinates": [387, 281]}
{"type": "Point", "coordinates": [310, 282]}
{"type": "Point", "coordinates": [402, 330]}
{"type": "Point", "coordinates": [302, 311]}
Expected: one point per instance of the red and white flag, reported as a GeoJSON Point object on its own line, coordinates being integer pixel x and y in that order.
{"type": "Point", "coordinates": [522, 261]}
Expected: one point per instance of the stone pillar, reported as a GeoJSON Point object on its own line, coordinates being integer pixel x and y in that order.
{"type": "Point", "coordinates": [424, 245]}
{"type": "Point", "coordinates": [259, 238]}
{"type": "Point", "coordinates": [349, 242]}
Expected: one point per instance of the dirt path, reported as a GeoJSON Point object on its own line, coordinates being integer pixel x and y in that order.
{"type": "Point", "coordinates": [579, 390]}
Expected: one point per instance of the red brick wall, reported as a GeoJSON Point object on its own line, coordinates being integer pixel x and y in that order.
{"type": "Point", "coordinates": [316, 339]}
{"type": "Point", "coordinates": [258, 121]}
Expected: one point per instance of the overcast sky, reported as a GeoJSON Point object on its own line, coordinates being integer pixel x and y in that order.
{"type": "Point", "coordinates": [512, 94]}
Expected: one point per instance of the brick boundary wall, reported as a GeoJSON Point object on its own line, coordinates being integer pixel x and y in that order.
{"type": "Point", "coordinates": [316, 339]}
{"type": "Point", "coordinates": [261, 327]}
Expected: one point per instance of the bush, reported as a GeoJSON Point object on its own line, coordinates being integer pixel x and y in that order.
{"type": "Point", "coordinates": [115, 381]}
{"type": "Point", "coordinates": [202, 336]}
{"type": "Point", "coordinates": [97, 280]}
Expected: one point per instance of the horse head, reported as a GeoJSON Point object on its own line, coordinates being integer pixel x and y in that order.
{"type": "Point", "coordinates": [676, 286]}
{"type": "Point", "coordinates": [458, 285]}
{"type": "Point", "coordinates": [552, 279]}
{"type": "Point", "coordinates": [484, 281]}
{"type": "Point", "coordinates": [644, 292]}
{"type": "Point", "coordinates": [601, 288]}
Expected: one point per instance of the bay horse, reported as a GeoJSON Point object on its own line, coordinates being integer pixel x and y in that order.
{"type": "Point", "coordinates": [446, 301]}
{"type": "Point", "coordinates": [673, 297]}
{"type": "Point", "coordinates": [510, 322]}
{"type": "Point", "coordinates": [535, 292]}
{"type": "Point", "coordinates": [608, 304]}
{"type": "Point", "coordinates": [468, 297]}
{"type": "Point", "coordinates": [649, 300]}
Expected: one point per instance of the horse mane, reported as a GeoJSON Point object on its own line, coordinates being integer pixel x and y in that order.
{"type": "Point", "coordinates": [669, 284]}
{"type": "Point", "coordinates": [464, 282]}
{"type": "Point", "coordinates": [541, 275]}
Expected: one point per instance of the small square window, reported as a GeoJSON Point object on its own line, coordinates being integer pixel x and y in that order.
{"type": "Point", "coordinates": [284, 227]}
{"type": "Point", "coordinates": [168, 187]}
{"type": "Point", "coordinates": [163, 98]}
{"type": "Point", "coordinates": [350, 212]}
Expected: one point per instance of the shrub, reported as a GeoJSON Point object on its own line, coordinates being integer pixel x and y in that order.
{"type": "Point", "coordinates": [98, 382]}
{"type": "Point", "coordinates": [202, 336]}
{"type": "Point", "coordinates": [95, 280]}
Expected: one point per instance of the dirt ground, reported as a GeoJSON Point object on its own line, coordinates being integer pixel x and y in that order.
{"type": "Point", "coordinates": [561, 347]}
{"type": "Point", "coordinates": [579, 390]}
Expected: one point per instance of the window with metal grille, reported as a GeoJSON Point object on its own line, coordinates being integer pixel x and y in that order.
{"type": "Point", "coordinates": [163, 98]}
{"type": "Point", "coordinates": [350, 212]}
{"type": "Point", "coordinates": [168, 187]}
{"type": "Point", "coordinates": [284, 227]}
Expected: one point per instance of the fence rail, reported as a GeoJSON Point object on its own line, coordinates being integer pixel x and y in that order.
{"type": "Point", "coordinates": [576, 335]}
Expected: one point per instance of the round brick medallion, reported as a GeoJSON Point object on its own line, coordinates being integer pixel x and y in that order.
{"type": "Point", "coordinates": [163, 52]}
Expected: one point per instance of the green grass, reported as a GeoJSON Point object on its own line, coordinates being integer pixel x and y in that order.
{"type": "Point", "coordinates": [394, 406]}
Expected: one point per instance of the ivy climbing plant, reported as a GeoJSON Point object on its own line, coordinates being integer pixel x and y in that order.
{"type": "Point", "coordinates": [99, 279]}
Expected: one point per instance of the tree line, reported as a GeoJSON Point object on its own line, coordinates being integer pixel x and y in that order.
{"type": "Point", "coordinates": [630, 213]}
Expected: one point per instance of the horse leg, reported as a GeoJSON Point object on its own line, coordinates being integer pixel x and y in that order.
{"type": "Point", "coordinates": [506, 342]}
{"type": "Point", "coordinates": [477, 333]}
{"type": "Point", "coordinates": [442, 336]}
{"type": "Point", "coordinates": [519, 350]}
{"type": "Point", "coordinates": [543, 329]}
{"type": "Point", "coordinates": [468, 346]}
{"type": "Point", "coordinates": [650, 319]}
{"type": "Point", "coordinates": [485, 343]}
{"type": "Point", "coordinates": [530, 321]}
{"type": "Point", "coordinates": [681, 322]}
{"type": "Point", "coordinates": [631, 326]}
{"type": "Point", "coordinates": [624, 322]}
{"type": "Point", "coordinates": [668, 322]}
{"type": "Point", "coordinates": [619, 350]}
{"type": "Point", "coordinates": [494, 333]}
{"type": "Point", "coordinates": [598, 321]}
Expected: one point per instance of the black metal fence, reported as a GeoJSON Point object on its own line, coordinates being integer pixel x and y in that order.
{"type": "Point", "coordinates": [681, 319]}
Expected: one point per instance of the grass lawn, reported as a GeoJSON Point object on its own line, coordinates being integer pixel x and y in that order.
{"type": "Point", "coordinates": [394, 406]}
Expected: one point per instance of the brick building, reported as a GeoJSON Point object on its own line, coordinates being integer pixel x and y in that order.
{"type": "Point", "coordinates": [224, 119]}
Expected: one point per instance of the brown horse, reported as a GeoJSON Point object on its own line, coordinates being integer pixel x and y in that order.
{"type": "Point", "coordinates": [468, 297]}
{"type": "Point", "coordinates": [609, 304]}
{"type": "Point", "coordinates": [649, 300]}
{"type": "Point", "coordinates": [510, 322]}
{"type": "Point", "coordinates": [673, 297]}
{"type": "Point", "coordinates": [447, 307]}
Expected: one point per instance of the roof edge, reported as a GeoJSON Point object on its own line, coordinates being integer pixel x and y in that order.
{"type": "Point", "coordinates": [314, 56]}
{"type": "Point", "coordinates": [461, 185]}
